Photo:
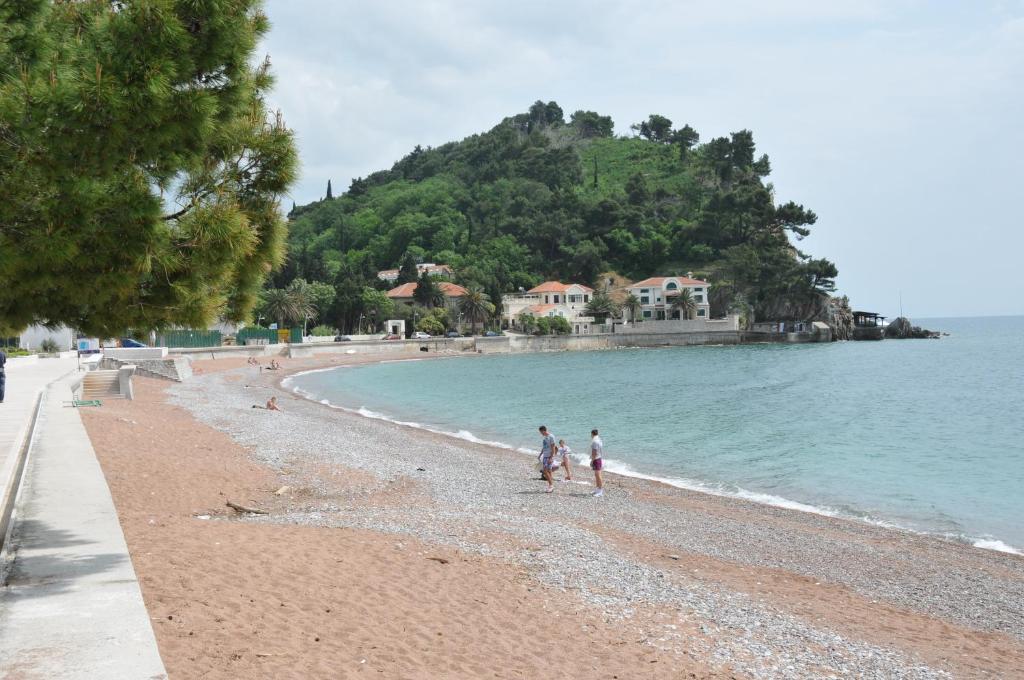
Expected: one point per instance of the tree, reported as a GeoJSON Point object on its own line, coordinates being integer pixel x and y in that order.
{"type": "Point", "coordinates": [319, 295]}
{"type": "Point", "coordinates": [329, 194]}
{"type": "Point", "coordinates": [527, 322]}
{"type": "Point", "coordinates": [559, 325]}
{"type": "Point", "coordinates": [427, 291]}
{"type": "Point", "coordinates": [476, 305]}
{"type": "Point", "coordinates": [632, 305]}
{"type": "Point", "coordinates": [601, 306]}
{"type": "Point", "coordinates": [376, 304]}
{"type": "Point", "coordinates": [684, 303]}
{"type": "Point", "coordinates": [287, 306]}
{"type": "Point", "coordinates": [656, 128]}
{"type": "Point", "coordinates": [591, 124]}
{"type": "Point", "coordinates": [408, 272]}
{"type": "Point", "coordinates": [686, 137]}
{"type": "Point", "coordinates": [140, 169]}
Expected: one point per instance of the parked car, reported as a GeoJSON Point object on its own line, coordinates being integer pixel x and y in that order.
{"type": "Point", "coordinates": [420, 335]}
{"type": "Point", "coordinates": [452, 334]}
{"type": "Point", "coordinates": [393, 336]}
{"type": "Point", "coordinates": [491, 334]}
{"type": "Point", "coordinates": [342, 338]}
{"type": "Point", "coordinates": [131, 342]}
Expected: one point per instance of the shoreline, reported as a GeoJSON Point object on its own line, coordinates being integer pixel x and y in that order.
{"type": "Point", "coordinates": [623, 469]}
{"type": "Point", "coordinates": [650, 581]}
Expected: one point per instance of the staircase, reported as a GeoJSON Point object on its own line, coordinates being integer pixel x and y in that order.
{"type": "Point", "coordinates": [101, 385]}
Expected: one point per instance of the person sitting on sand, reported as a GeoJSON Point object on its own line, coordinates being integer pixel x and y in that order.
{"type": "Point", "coordinates": [547, 456]}
{"type": "Point", "coordinates": [272, 404]}
{"type": "Point", "coordinates": [274, 365]}
{"type": "Point", "coordinates": [563, 455]}
{"type": "Point", "coordinates": [253, 361]}
{"type": "Point", "coordinates": [596, 451]}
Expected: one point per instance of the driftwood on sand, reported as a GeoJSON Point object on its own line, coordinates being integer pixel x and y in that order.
{"type": "Point", "coordinates": [241, 508]}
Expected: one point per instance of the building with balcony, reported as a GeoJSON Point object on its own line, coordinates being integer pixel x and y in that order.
{"type": "Point", "coordinates": [550, 299]}
{"type": "Point", "coordinates": [658, 293]}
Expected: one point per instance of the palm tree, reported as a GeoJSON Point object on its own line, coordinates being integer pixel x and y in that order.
{"type": "Point", "coordinates": [601, 306]}
{"type": "Point", "coordinates": [684, 303]}
{"type": "Point", "coordinates": [287, 306]}
{"type": "Point", "coordinates": [475, 304]}
{"type": "Point", "coordinates": [633, 306]}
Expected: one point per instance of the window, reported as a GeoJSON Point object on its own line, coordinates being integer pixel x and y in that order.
{"type": "Point", "coordinates": [555, 298]}
{"type": "Point", "coordinates": [698, 290]}
{"type": "Point", "coordinates": [698, 298]}
{"type": "Point", "coordinates": [586, 298]}
{"type": "Point", "coordinates": [645, 290]}
{"type": "Point", "coordinates": [700, 312]}
{"type": "Point", "coordinates": [645, 300]}
{"type": "Point", "coordinates": [671, 285]}
{"type": "Point", "coordinates": [647, 314]}
{"type": "Point", "coordinates": [546, 299]}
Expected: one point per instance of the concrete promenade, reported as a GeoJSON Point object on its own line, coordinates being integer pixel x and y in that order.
{"type": "Point", "coordinates": [71, 606]}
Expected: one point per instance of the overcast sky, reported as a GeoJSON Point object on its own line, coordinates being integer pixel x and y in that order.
{"type": "Point", "coordinates": [900, 123]}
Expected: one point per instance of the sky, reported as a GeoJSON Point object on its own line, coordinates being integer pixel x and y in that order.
{"type": "Point", "coordinates": [900, 123]}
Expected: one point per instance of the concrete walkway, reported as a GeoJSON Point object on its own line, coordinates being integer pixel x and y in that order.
{"type": "Point", "coordinates": [72, 607]}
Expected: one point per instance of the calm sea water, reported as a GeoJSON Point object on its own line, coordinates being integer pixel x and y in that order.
{"type": "Point", "coordinates": [922, 434]}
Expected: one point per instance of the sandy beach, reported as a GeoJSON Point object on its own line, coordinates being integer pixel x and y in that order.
{"type": "Point", "coordinates": [395, 552]}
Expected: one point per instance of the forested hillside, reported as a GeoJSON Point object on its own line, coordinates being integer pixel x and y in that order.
{"type": "Point", "coordinates": [540, 197]}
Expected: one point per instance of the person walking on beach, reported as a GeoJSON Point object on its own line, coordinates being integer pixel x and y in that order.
{"type": "Point", "coordinates": [563, 455]}
{"type": "Point", "coordinates": [3, 375]}
{"type": "Point", "coordinates": [596, 451]}
{"type": "Point", "coordinates": [547, 456]}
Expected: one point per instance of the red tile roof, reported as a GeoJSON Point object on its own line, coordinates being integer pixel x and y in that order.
{"type": "Point", "coordinates": [539, 309]}
{"type": "Point", "coordinates": [407, 289]}
{"type": "Point", "coordinates": [557, 287]}
{"type": "Point", "coordinates": [658, 281]}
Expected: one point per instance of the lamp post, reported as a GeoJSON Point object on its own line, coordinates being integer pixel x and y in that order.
{"type": "Point", "coordinates": [359, 327]}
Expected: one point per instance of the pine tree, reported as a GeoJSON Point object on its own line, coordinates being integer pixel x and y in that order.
{"type": "Point", "coordinates": [141, 171]}
{"type": "Point", "coordinates": [329, 194]}
{"type": "Point", "coordinates": [408, 272]}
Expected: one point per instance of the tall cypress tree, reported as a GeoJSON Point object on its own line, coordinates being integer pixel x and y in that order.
{"type": "Point", "coordinates": [408, 271]}
{"type": "Point", "coordinates": [329, 194]}
{"type": "Point", "coordinates": [140, 169]}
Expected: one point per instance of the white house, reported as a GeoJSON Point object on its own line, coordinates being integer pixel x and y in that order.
{"type": "Point", "coordinates": [550, 299]}
{"type": "Point", "coordinates": [438, 270]}
{"type": "Point", "coordinates": [658, 293]}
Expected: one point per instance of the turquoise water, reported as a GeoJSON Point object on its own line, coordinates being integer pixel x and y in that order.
{"type": "Point", "coordinates": [923, 434]}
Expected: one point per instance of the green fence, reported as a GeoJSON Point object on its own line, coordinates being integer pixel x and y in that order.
{"type": "Point", "coordinates": [271, 337]}
{"type": "Point", "coordinates": [189, 338]}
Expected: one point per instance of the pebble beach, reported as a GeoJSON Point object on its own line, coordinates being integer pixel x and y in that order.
{"type": "Point", "coordinates": [711, 586]}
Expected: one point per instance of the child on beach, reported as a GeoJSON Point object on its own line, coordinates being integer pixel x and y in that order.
{"type": "Point", "coordinates": [547, 456]}
{"type": "Point", "coordinates": [563, 455]}
{"type": "Point", "coordinates": [596, 451]}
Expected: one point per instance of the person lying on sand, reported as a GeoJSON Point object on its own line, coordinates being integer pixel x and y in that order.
{"type": "Point", "coordinates": [271, 405]}
{"type": "Point", "coordinates": [274, 366]}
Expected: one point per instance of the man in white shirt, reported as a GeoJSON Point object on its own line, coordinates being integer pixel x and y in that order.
{"type": "Point", "coordinates": [596, 451]}
{"type": "Point", "coordinates": [547, 456]}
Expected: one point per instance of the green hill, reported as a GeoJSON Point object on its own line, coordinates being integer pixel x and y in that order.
{"type": "Point", "coordinates": [539, 197]}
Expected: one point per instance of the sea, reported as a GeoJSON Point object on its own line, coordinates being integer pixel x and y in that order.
{"type": "Point", "coordinates": [925, 435]}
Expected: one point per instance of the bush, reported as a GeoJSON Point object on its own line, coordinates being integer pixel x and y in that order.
{"type": "Point", "coordinates": [560, 325]}
{"type": "Point", "coordinates": [430, 324]}
{"type": "Point", "coordinates": [543, 326]}
{"type": "Point", "coordinates": [323, 331]}
{"type": "Point", "coordinates": [49, 346]}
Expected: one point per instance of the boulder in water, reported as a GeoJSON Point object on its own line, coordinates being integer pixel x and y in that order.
{"type": "Point", "coordinates": [902, 329]}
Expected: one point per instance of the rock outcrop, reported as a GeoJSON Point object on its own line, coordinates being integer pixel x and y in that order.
{"type": "Point", "coordinates": [902, 329]}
